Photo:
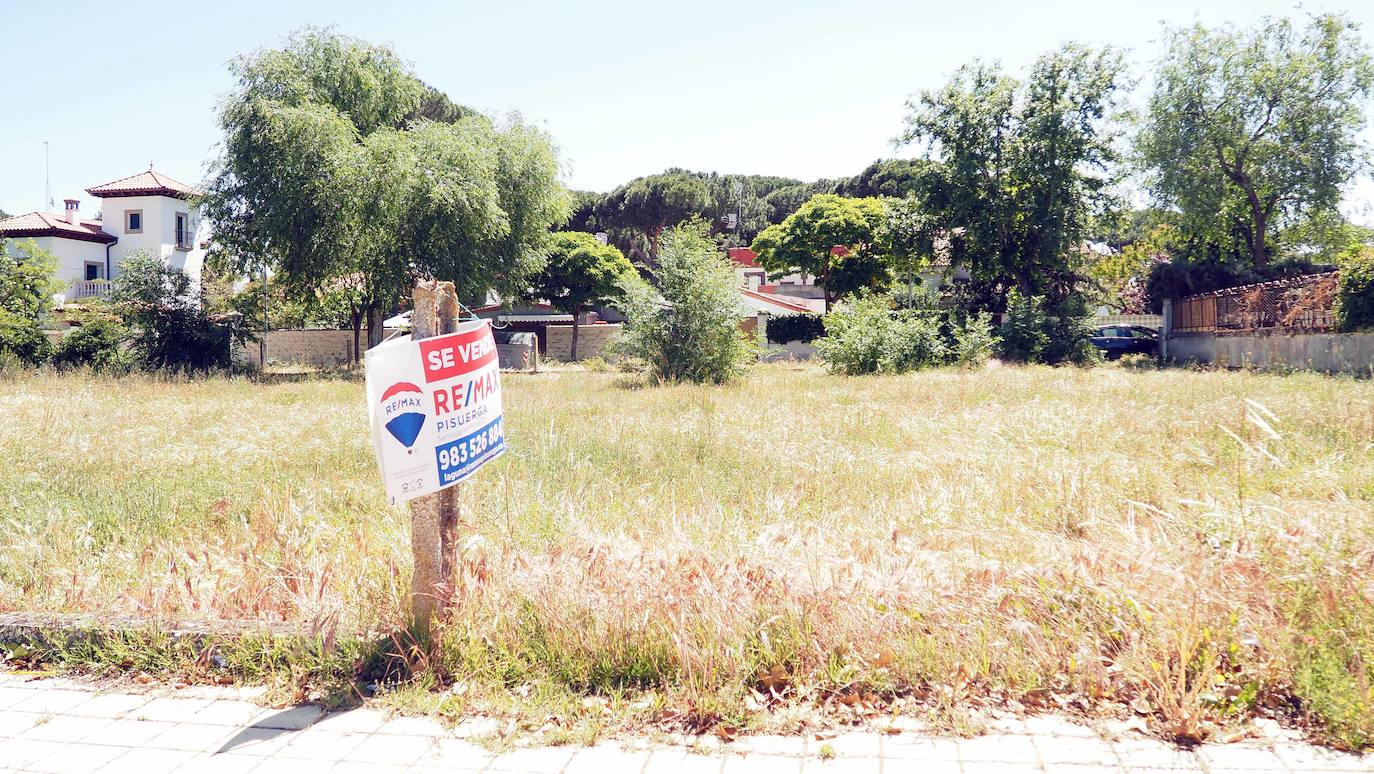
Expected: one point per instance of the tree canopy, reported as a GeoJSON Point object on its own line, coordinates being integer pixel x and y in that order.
{"type": "Point", "coordinates": [581, 272]}
{"type": "Point", "coordinates": [338, 165]}
{"type": "Point", "coordinates": [806, 241]}
{"type": "Point", "coordinates": [1021, 168]}
{"type": "Point", "coordinates": [1251, 132]}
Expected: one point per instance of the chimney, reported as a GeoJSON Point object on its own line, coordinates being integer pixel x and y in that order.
{"type": "Point", "coordinates": [70, 214]}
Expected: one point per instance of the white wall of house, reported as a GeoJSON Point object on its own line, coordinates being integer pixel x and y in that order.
{"type": "Point", "coordinates": [158, 234]}
{"type": "Point", "coordinates": [72, 256]}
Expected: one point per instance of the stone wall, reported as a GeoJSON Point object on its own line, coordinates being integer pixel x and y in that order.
{"type": "Point", "coordinates": [1329, 352]}
{"type": "Point", "coordinates": [591, 340]}
{"type": "Point", "coordinates": [322, 348]}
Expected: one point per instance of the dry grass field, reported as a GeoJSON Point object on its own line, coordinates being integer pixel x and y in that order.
{"type": "Point", "coordinates": [1193, 547]}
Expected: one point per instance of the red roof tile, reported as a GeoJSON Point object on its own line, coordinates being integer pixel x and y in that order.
{"type": "Point", "coordinates": [148, 183]}
{"type": "Point", "coordinates": [37, 224]}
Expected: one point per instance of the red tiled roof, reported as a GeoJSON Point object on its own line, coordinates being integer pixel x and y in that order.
{"type": "Point", "coordinates": [743, 256]}
{"type": "Point", "coordinates": [37, 224]}
{"type": "Point", "coordinates": [148, 183]}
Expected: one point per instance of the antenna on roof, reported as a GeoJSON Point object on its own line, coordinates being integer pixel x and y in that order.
{"type": "Point", "coordinates": [48, 203]}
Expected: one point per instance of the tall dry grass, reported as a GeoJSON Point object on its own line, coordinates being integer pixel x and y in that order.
{"type": "Point", "coordinates": [1196, 545]}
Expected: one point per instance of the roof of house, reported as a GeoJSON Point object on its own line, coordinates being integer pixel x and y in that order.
{"type": "Point", "coordinates": [773, 303]}
{"type": "Point", "coordinates": [148, 183]}
{"type": "Point", "coordinates": [40, 224]}
{"type": "Point", "coordinates": [743, 256]}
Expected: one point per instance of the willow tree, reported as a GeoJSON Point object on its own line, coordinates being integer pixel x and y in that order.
{"type": "Point", "coordinates": [1254, 131]}
{"type": "Point", "coordinates": [339, 168]}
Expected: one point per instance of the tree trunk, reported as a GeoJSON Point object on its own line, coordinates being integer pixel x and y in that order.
{"type": "Point", "coordinates": [355, 319]}
{"type": "Point", "coordinates": [1259, 251]}
{"type": "Point", "coordinates": [572, 355]}
{"type": "Point", "coordinates": [374, 327]}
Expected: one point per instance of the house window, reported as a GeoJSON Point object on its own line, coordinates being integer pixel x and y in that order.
{"type": "Point", "coordinates": [183, 231]}
{"type": "Point", "coordinates": [133, 221]}
{"type": "Point", "coordinates": [92, 271]}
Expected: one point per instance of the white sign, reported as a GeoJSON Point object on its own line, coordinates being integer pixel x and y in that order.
{"type": "Point", "coordinates": [435, 407]}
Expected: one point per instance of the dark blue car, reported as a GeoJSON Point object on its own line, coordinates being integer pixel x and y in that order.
{"type": "Point", "coordinates": [1118, 340]}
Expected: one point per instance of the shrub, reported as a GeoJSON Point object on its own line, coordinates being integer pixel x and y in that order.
{"type": "Point", "coordinates": [868, 336]}
{"type": "Point", "coordinates": [1355, 299]}
{"type": "Point", "coordinates": [1180, 279]}
{"type": "Point", "coordinates": [686, 329]}
{"type": "Point", "coordinates": [1031, 333]}
{"type": "Point", "coordinates": [795, 327]}
{"type": "Point", "coordinates": [973, 340]}
{"type": "Point", "coordinates": [170, 329]}
{"type": "Point", "coordinates": [1137, 361]}
{"type": "Point", "coordinates": [97, 341]}
{"type": "Point", "coordinates": [22, 338]}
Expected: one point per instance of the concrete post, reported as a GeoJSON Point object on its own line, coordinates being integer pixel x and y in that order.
{"type": "Point", "coordinates": [1166, 330]}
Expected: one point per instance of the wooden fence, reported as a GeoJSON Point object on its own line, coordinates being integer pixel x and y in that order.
{"type": "Point", "coordinates": [1295, 304]}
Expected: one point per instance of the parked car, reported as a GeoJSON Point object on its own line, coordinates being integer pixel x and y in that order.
{"type": "Point", "coordinates": [1118, 340]}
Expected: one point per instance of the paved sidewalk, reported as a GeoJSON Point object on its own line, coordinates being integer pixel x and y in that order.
{"type": "Point", "coordinates": [58, 725]}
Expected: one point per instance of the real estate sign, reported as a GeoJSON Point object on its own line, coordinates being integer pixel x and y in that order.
{"type": "Point", "coordinates": [435, 407]}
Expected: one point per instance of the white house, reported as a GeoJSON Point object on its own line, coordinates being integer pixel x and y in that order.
{"type": "Point", "coordinates": [148, 211]}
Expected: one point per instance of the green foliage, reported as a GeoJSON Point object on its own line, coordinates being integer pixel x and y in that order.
{"type": "Point", "coordinates": [580, 273]}
{"type": "Point", "coordinates": [95, 340]}
{"type": "Point", "coordinates": [795, 327]}
{"type": "Point", "coordinates": [1253, 131]}
{"type": "Point", "coordinates": [26, 279]}
{"type": "Point", "coordinates": [804, 242]}
{"type": "Point", "coordinates": [1122, 277]}
{"type": "Point", "coordinates": [169, 328]}
{"type": "Point", "coordinates": [889, 178]}
{"type": "Point", "coordinates": [22, 338]}
{"type": "Point", "coordinates": [1022, 169]}
{"type": "Point", "coordinates": [1034, 332]}
{"type": "Point", "coordinates": [1355, 302]}
{"type": "Point", "coordinates": [869, 336]}
{"type": "Point", "coordinates": [688, 328]}
{"type": "Point", "coordinates": [340, 168]}
{"type": "Point", "coordinates": [974, 340]}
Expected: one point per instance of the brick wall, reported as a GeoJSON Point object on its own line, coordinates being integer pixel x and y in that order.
{"type": "Point", "coordinates": [591, 340]}
{"type": "Point", "coordinates": [316, 348]}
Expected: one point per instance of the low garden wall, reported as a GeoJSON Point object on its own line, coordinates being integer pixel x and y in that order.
{"type": "Point", "coordinates": [1328, 352]}
{"type": "Point", "coordinates": [320, 348]}
{"type": "Point", "coordinates": [591, 340]}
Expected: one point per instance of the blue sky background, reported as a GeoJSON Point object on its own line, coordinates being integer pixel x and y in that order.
{"type": "Point", "coordinates": [803, 89]}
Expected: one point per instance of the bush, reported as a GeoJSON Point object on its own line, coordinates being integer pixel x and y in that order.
{"type": "Point", "coordinates": [795, 327]}
{"type": "Point", "coordinates": [688, 328]}
{"type": "Point", "coordinates": [973, 340]}
{"type": "Point", "coordinates": [1137, 361]}
{"type": "Point", "coordinates": [1180, 279]}
{"type": "Point", "coordinates": [170, 329]}
{"type": "Point", "coordinates": [97, 341]}
{"type": "Point", "coordinates": [22, 338]}
{"type": "Point", "coordinates": [1355, 298]}
{"type": "Point", "coordinates": [1031, 333]}
{"type": "Point", "coordinates": [869, 336]}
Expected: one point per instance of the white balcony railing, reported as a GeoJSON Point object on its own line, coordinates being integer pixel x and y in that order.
{"type": "Point", "coordinates": [96, 288]}
{"type": "Point", "coordinates": [186, 239]}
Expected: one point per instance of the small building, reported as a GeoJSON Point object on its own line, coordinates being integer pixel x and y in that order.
{"type": "Point", "coordinates": [144, 212]}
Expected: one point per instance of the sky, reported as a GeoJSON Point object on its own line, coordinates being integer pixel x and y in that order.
{"type": "Point", "coordinates": [800, 89]}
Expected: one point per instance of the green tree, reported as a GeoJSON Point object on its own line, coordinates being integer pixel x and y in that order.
{"type": "Point", "coordinates": [687, 328]}
{"type": "Point", "coordinates": [340, 166]}
{"type": "Point", "coordinates": [1253, 131]}
{"type": "Point", "coordinates": [580, 272]}
{"type": "Point", "coordinates": [26, 288]}
{"type": "Point", "coordinates": [1023, 168]}
{"type": "Point", "coordinates": [168, 324]}
{"type": "Point", "coordinates": [806, 241]}
{"type": "Point", "coordinates": [648, 205]}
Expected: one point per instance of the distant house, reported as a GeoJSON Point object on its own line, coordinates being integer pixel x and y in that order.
{"type": "Point", "coordinates": [147, 211]}
{"type": "Point", "coordinates": [753, 276]}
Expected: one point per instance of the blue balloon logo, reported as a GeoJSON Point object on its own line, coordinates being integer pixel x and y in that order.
{"type": "Point", "coordinates": [404, 427]}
